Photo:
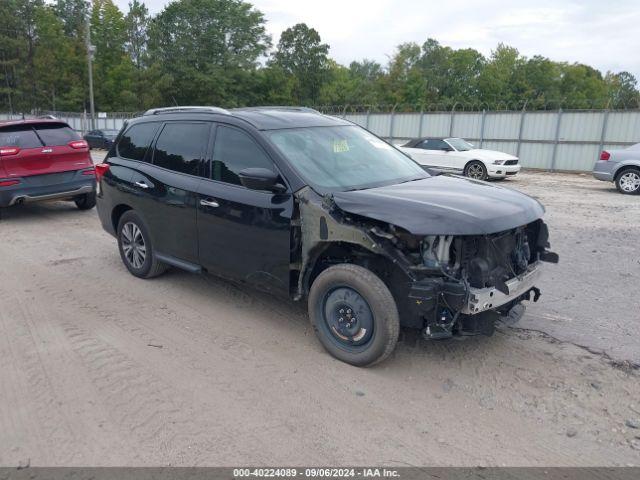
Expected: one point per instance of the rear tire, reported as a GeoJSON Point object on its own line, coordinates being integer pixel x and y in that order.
{"type": "Point", "coordinates": [136, 250]}
{"type": "Point", "coordinates": [476, 170]}
{"type": "Point", "coordinates": [354, 315]}
{"type": "Point", "coordinates": [86, 201]}
{"type": "Point", "coordinates": [628, 181]}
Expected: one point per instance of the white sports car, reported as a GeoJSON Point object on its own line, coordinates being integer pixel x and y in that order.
{"type": "Point", "coordinates": [459, 156]}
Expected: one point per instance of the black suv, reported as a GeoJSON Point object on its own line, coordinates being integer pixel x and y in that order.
{"type": "Point", "coordinates": [310, 206]}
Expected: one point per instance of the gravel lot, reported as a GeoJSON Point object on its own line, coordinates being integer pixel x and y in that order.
{"type": "Point", "coordinates": [101, 368]}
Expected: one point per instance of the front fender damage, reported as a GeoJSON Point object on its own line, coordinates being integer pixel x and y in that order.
{"type": "Point", "coordinates": [444, 285]}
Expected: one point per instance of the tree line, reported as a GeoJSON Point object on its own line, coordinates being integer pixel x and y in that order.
{"type": "Point", "coordinates": [217, 52]}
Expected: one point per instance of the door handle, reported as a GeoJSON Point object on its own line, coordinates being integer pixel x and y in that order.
{"type": "Point", "coordinates": [209, 203]}
{"type": "Point", "coordinates": [142, 185]}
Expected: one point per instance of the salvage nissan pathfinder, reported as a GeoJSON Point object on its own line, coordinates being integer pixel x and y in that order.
{"type": "Point", "coordinates": [314, 207]}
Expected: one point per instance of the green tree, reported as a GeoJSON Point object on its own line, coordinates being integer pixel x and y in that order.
{"type": "Point", "coordinates": [137, 25]}
{"type": "Point", "coordinates": [622, 90]}
{"type": "Point", "coordinates": [113, 68]}
{"type": "Point", "coordinates": [204, 48]}
{"type": "Point", "coordinates": [72, 13]}
{"type": "Point", "coordinates": [301, 53]}
{"type": "Point", "coordinates": [582, 86]}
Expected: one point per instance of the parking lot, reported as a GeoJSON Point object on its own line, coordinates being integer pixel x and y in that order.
{"type": "Point", "coordinates": [101, 368]}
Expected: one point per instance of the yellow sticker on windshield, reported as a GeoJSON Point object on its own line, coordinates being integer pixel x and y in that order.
{"type": "Point", "coordinates": [340, 146]}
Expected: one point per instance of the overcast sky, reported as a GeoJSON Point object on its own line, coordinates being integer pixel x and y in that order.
{"type": "Point", "coordinates": [601, 33]}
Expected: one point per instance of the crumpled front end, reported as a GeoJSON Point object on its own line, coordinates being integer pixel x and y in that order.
{"type": "Point", "coordinates": [444, 285]}
{"type": "Point", "coordinates": [467, 283]}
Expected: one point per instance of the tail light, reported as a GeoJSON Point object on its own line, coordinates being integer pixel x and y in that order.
{"type": "Point", "coordinates": [6, 151]}
{"type": "Point", "coordinates": [100, 170]}
{"type": "Point", "coordinates": [78, 144]}
{"type": "Point", "coordinates": [605, 155]}
{"type": "Point", "coordinates": [8, 183]}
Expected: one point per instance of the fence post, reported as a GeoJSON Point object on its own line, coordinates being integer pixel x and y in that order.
{"type": "Point", "coordinates": [484, 114]}
{"type": "Point", "coordinates": [520, 128]}
{"type": "Point", "coordinates": [420, 124]}
{"type": "Point", "coordinates": [453, 112]}
{"type": "Point", "coordinates": [366, 125]}
{"type": "Point", "coordinates": [393, 116]}
{"type": "Point", "coordinates": [557, 140]}
{"type": "Point", "coordinates": [603, 134]}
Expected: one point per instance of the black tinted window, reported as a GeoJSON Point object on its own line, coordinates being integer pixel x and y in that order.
{"type": "Point", "coordinates": [180, 147]}
{"type": "Point", "coordinates": [19, 136]}
{"type": "Point", "coordinates": [434, 145]}
{"type": "Point", "coordinates": [134, 143]}
{"type": "Point", "coordinates": [235, 151]}
{"type": "Point", "coordinates": [55, 134]}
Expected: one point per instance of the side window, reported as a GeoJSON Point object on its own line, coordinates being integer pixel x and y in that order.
{"type": "Point", "coordinates": [180, 146]}
{"type": "Point", "coordinates": [54, 134]}
{"type": "Point", "coordinates": [234, 150]}
{"type": "Point", "coordinates": [19, 136]}
{"type": "Point", "coordinates": [442, 145]}
{"type": "Point", "coordinates": [134, 143]}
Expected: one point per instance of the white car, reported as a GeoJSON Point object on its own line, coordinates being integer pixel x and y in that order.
{"type": "Point", "coordinates": [456, 155]}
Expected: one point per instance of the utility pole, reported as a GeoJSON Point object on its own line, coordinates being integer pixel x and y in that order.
{"type": "Point", "coordinates": [90, 50]}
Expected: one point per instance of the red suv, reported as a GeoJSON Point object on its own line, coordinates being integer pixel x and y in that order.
{"type": "Point", "coordinates": [44, 160]}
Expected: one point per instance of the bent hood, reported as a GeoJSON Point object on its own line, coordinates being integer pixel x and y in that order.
{"type": "Point", "coordinates": [443, 205]}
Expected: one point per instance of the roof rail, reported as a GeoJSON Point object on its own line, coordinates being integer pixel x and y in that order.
{"type": "Point", "coordinates": [180, 109]}
{"type": "Point", "coordinates": [280, 107]}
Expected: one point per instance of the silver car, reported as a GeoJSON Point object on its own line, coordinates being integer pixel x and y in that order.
{"type": "Point", "coordinates": [621, 167]}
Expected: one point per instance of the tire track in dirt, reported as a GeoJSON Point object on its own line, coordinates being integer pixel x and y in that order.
{"type": "Point", "coordinates": [54, 435]}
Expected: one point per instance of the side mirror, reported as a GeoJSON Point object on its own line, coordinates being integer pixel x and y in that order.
{"type": "Point", "coordinates": [261, 179]}
{"type": "Point", "coordinates": [448, 149]}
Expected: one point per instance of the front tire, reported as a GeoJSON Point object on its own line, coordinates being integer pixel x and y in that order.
{"type": "Point", "coordinates": [628, 181]}
{"type": "Point", "coordinates": [476, 170]}
{"type": "Point", "coordinates": [86, 201]}
{"type": "Point", "coordinates": [135, 247]}
{"type": "Point", "coordinates": [354, 315]}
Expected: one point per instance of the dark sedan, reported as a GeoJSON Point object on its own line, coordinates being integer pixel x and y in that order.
{"type": "Point", "coordinates": [102, 139]}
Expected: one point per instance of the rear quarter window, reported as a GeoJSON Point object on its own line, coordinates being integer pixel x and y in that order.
{"type": "Point", "coordinates": [54, 134]}
{"type": "Point", "coordinates": [134, 143]}
{"type": "Point", "coordinates": [19, 136]}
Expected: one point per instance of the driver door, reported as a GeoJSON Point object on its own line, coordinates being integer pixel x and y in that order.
{"type": "Point", "coordinates": [243, 234]}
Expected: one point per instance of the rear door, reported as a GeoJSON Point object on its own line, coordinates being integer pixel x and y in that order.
{"type": "Point", "coordinates": [66, 149]}
{"type": "Point", "coordinates": [165, 187]}
{"type": "Point", "coordinates": [30, 157]}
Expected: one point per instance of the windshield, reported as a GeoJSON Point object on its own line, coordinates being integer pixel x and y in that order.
{"type": "Point", "coordinates": [460, 144]}
{"type": "Point", "coordinates": [344, 158]}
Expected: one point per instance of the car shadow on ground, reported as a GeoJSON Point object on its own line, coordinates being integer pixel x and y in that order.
{"type": "Point", "coordinates": [27, 212]}
{"type": "Point", "coordinates": [276, 313]}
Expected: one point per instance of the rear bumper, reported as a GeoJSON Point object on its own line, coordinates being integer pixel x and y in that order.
{"type": "Point", "coordinates": [604, 170]}
{"type": "Point", "coordinates": [29, 191]}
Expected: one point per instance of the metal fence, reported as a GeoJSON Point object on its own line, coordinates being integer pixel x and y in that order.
{"type": "Point", "coordinates": [80, 122]}
{"type": "Point", "coordinates": [551, 140]}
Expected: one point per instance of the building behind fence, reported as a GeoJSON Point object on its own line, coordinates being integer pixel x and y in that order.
{"type": "Point", "coordinates": [551, 140]}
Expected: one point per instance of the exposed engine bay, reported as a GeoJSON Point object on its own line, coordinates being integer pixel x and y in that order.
{"type": "Point", "coordinates": [445, 285]}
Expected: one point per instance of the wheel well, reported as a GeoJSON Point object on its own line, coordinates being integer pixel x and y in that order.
{"type": "Point", "coordinates": [117, 212]}
{"type": "Point", "coordinates": [341, 252]}
{"type": "Point", "coordinates": [473, 161]}
{"type": "Point", "coordinates": [625, 167]}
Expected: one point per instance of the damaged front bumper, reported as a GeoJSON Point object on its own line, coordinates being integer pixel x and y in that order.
{"type": "Point", "coordinates": [482, 299]}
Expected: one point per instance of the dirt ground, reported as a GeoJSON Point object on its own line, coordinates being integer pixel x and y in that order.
{"type": "Point", "coordinates": [100, 368]}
